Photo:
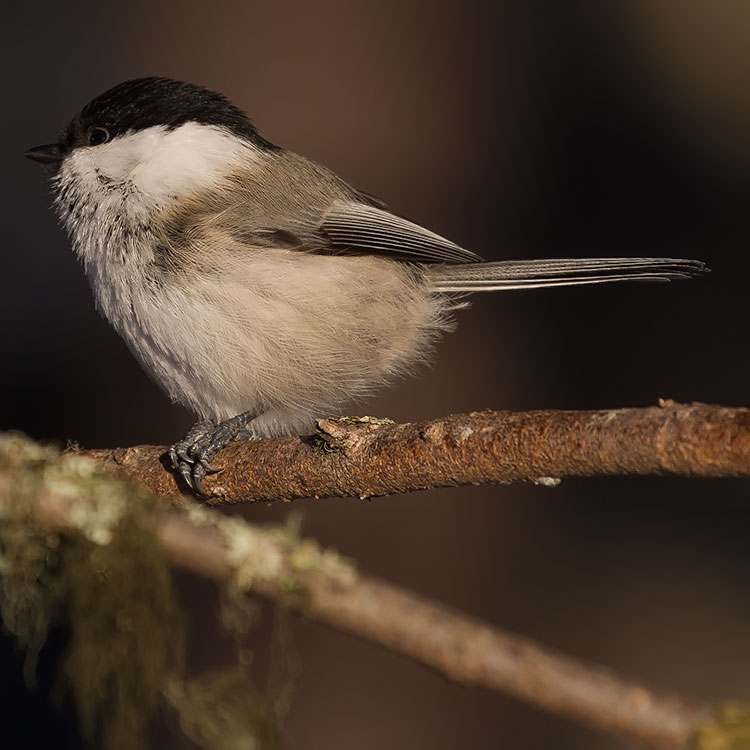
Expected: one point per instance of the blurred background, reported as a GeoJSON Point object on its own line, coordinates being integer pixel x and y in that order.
{"type": "Point", "coordinates": [518, 130]}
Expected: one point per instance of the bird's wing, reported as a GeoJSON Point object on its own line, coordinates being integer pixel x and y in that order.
{"type": "Point", "coordinates": [353, 228]}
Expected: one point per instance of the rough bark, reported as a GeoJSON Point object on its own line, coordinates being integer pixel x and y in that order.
{"type": "Point", "coordinates": [368, 458]}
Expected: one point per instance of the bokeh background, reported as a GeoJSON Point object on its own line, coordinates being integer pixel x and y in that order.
{"type": "Point", "coordinates": [519, 130]}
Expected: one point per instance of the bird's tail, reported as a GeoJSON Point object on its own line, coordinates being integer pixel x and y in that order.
{"type": "Point", "coordinates": [494, 276]}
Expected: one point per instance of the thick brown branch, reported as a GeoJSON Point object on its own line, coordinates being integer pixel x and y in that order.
{"type": "Point", "coordinates": [370, 458]}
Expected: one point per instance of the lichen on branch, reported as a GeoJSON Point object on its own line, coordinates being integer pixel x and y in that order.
{"type": "Point", "coordinates": [277, 564]}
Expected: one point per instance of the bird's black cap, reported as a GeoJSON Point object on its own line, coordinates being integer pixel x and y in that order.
{"type": "Point", "coordinates": [147, 102]}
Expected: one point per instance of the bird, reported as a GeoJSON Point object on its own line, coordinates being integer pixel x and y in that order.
{"type": "Point", "coordinates": [255, 286]}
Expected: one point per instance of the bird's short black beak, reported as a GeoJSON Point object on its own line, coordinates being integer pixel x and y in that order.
{"type": "Point", "coordinates": [48, 155]}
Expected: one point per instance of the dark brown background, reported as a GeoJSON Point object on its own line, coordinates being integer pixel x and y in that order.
{"type": "Point", "coordinates": [518, 130]}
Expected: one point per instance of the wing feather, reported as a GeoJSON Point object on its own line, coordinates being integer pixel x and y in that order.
{"type": "Point", "coordinates": [352, 227]}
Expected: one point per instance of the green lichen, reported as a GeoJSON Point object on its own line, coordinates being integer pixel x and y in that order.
{"type": "Point", "coordinates": [278, 553]}
{"type": "Point", "coordinates": [307, 557]}
{"type": "Point", "coordinates": [274, 553]}
{"type": "Point", "coordinates": [225, 711]}
{"type": "Point", "coordinates": [108, 582]}
{"type": "Point", "coordinates": [127, 637]}
{"type": "Point", "coordinates": [28, 553]}
{"type": "Point", "coordinates": [96, 503]}
{"type": "Point", "coordinates": [28, 559]}
{"type": "Point", "coordinates": [107, 579]}
{"type": "Point", "coordinates": [729, 729]}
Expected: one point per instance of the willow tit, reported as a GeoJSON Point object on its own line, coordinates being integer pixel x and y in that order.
{"type": "Point", "coordinates": [255, 286]}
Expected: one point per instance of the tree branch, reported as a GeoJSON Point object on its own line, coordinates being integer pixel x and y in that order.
{"type": "Point", "coordinates": [460, 647]}
{"type": "Point", "coordinates": [368, 458]}
{"type": "Point", "coordinates": [66, 495]}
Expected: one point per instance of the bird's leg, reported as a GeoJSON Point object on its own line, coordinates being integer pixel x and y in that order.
{"type": "Point", "coordinates": [191, 456]}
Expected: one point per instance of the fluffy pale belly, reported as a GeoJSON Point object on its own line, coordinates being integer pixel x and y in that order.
{"type": "Point", "coordinates": [287, 341]}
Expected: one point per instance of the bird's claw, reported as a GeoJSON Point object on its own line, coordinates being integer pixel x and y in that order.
{"type": "Point", "coordinates": [209, 468]}
{"type": "Point", "coordinates": [191, 456]}
{"type": "Point", "coordinates": [183, 457]}
{"type": "Point", "coordinates": [193, 470]}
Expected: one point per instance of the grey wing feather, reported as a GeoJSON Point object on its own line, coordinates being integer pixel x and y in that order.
{"type": "Point", "coordinates": [352, 227]}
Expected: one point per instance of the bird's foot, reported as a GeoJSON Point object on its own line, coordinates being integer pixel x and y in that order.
{"type": "Point", "coordinates": [191, 457]}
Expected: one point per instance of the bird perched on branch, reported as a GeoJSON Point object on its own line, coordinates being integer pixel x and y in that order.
{"type": "Point", "coordinates": [255, 286]}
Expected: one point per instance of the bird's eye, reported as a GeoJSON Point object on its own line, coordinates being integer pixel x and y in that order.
{"type": "Point", "coordinates": [97, 136]}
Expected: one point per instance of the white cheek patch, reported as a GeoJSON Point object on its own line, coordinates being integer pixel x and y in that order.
{"type": "Point", "coordinates": [162, 164]}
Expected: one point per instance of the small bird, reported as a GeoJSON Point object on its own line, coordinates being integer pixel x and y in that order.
{"type": "Point", "coordinates": [254, 285]}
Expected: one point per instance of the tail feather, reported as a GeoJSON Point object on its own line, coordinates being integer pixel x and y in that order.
{"type": "Point", "coordinates": [532, 274]}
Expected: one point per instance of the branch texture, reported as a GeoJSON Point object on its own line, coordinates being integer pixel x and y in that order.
{"type": "Point", "coordinates": [368, 457]}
